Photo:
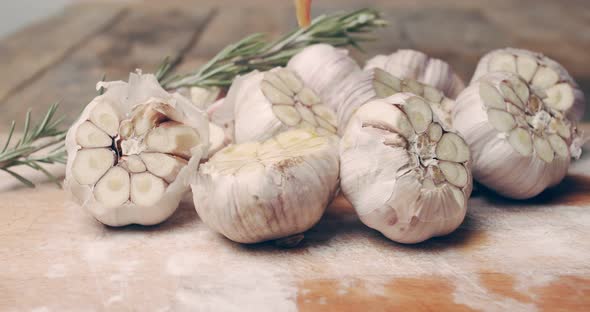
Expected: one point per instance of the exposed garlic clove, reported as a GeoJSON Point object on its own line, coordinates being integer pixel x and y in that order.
{"type": "Point", "coordinates": [105, 172]}
{"type": "Point", "coordinates": [404, 190]}
{"type": "Point", "coordinates": [267, 103]}
{"type": "Point", "coordinates": [375, 83]}
{"type": "Point", "coordinates": [174, 138]}
{"type": "Point", "coordinates": [411, 64]}
{"type": "Point", "coordinates": [132, 163]}
{"type": "Point", "coordinates": [222, 115]}
{"type": "Point", "coordinates": [518, 152]}
{"type": "Point", "coordinates": [255, 192]}
{"type": "Point", "coordinates": [548, 79]}
{"type": "Point", "coordinates": [322, 67]}
{"type": "Point", "coordinates": [89, 135]}
{"type": "Point", "coordinates": [217, 139]}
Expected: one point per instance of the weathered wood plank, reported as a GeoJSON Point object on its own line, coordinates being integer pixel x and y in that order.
{"type": "Point", "coordinates": [141, 39]}
{"type": "Point", "coordinates": [27, 54]}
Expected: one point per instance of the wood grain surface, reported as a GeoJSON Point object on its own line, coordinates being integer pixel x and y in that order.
{"type": "Point", "coordinates": [508, 255]}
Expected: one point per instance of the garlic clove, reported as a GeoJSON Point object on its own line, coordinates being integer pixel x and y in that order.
{"type": "Point", "coordinates": [491, 96]}
{"type": "Point", "coordinates": [105, 117]}
{"type": "Point", "coordinates": [259, 191]}
{"type": "Point", "coordinates": [503, 62]}
{"type": "Point", "coordinates": [146, 189]}
{"type": "Point", "coordinates": [560, 96]}
{"type": "Point", "coordinates": [543, 149]}
{"type": "Point", "coordinates": [89, 135]}
{"type": "Point", "coordinates": [112, 190]}
{"type": "Point", "coordinates": [501, 120]}
{"type": "Point", "coordinates": [132, 163]}
{"type": "Point", "coordinates": [91, 164]}
{"type": "Point", "coordinates": [414, 194]}
{"type": "Point", "coordinates": [544, 78]}
{"type": "Point", "coordinates": [103, 173]}
{"type": "Point", "coordinates": [526, 67]}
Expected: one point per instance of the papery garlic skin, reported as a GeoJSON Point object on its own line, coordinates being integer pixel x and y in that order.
{"type": "Point", "coordinates": [376, 83]}
{"type": "Point", "coordinates": [139, 118]}
{"type": "Point", "coordinates": [419, 66]}
{"type": "Point", "coordinates": [267, 103]}
{"type": "Point", "coordinates": [322, 67]}
{"type": "Point", "coordinates": [404, 174]}
{"type": "Point", "coordinates": [520, 145]}
{"type": "Point", "coordinates": [551, 81]}
{"type": "Point", "coordinates": [254, 192]}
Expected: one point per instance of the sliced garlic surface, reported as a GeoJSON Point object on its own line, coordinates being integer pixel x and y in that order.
{"type": "Point", "coordinates": [259, 191]}
{"type": "Point", "coordinates": [376, 83]}
{"type": "Point", "coordinates": [267, 103]}
{"type": "Point", "coordinates": [405, 175]}
{"type": "Point", "coordinates": [322, 67]}
{"type": "Point", "coordinates": [521, 143]}
{"type": "Point", "coordinates": [550, 81]}
{"type": "Point", "coordinates": [132, 151]}
{"type": "Point", "coordinates": [419, 66]}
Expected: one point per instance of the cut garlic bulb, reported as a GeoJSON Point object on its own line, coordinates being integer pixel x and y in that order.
{"type": "Point", "coordinates": [267, 103]}
{"type": "Point", "coordinates": [132, 151]}
{"type": "Point", "coordinates": [255, 192]}
{"type": "Point", "coordinates": [548, 79]}
{"type": "Point", "coordinates": [322, 67]}
{"type": "Point", "coordinates": [520, 143]}
{"type": "Point", "coordinates": [404, 174]}
{"type": "Point", "coordinates": [375, 83]}
{"type": "Point", "coordinates": [419, 66]}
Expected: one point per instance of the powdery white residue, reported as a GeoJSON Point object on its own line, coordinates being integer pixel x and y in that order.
{"type": "Point", "coordinates": [209, 284]}
{"type": "Point", "coordinates": [56, 270]}
{"type": "Point", "coordinates": [469, 292]}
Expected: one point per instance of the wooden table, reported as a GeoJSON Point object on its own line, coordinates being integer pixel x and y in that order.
{"type": "Point", "coordinates": [507, 256]}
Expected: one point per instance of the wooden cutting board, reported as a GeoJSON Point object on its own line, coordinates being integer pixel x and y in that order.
{"type": "Point", "coordinates": [507, 256]}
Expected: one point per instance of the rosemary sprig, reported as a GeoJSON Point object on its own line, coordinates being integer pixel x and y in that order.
{"type": "Point", "coordinates": [254, 52]}
{"type": "Point", "coordinates": [45, 135]}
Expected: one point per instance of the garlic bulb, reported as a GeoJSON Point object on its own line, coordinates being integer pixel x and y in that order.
{"type": "Point", "coordinates": [322, 67]}
{"type": "Point", "coordinates": [254, 191]}
{"type": "Point", "coordinates": [419, 66]}
{"type": "Point", "coordinates": [375, 83]}
{"type": "Point", "coordinates": [551, 81]}
{"type": "Point", "coordinates": [132, 151]}
{"type": "Point", "coordinates": [404, 174]}
{"type": "Point", "coordinates": [266, 103]}
{"type": "Point", "coordinates": [520, 141]}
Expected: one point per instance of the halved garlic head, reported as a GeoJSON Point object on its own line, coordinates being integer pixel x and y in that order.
{"type": "Point", "coordinates": [131, 152]}
{"type": "Point", "coordinates": [521, 143]}
{"type": "Point", "coordinates": [405, 175]}
{"type": "Point", "coordinates": [322, 67]}
{"type": "Point", "coordinates": [261, 191]}
{"type": "Point", "coordinates": [548, 79]}
{"type": "Point", "coordinates": [267, 103]}
{"type": "Point", "coordinates": [376, 83]}
{"type": "Point", "coordinates": [419, 66]}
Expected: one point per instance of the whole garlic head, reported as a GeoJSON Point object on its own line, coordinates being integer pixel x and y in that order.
{"type": "Point", "coordinates": [551, 81]}
{"type": "Point", "coordinates": [376, 83]}
{"type": "Point", "coordinates": [322, 67]}
{"type": "Point", "coordinates": [404, 174]}
{"type": "Point", "coordinates": [520, 142]}
{"type": "Point", "coordinates": [255, 192]}
{"type": "Point", "coordinates": [419, 66]}
{"type": "Point", "coordinates": [267, 103]}
{"type": "Point", "coordinates": [132, 151]}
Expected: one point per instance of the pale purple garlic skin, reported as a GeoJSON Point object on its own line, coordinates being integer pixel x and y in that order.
{"type": "Point", "coordinates": [405, 175]}
{"type": "Point", "coordinates": [416, 65]}
{"type": "Point", "coordinates": [550, 80]}
{"type": "Point", "coordinates": [520, 144]}
{"type": "Point", "coordinates": [133, 150]}
{"type": "Point", "coordinates": [322, 67]}
{"type": "Point", "coordinates": [274, 189]}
